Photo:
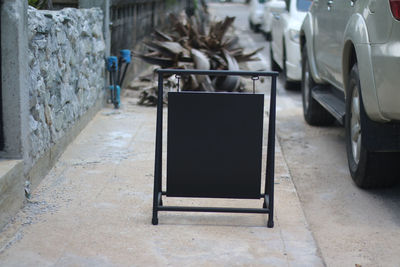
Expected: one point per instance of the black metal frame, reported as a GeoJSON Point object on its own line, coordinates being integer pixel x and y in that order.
{"type": "Point", "coordinates": [268, 205]}
{"type": "Point", "coordinates": [1, 92]}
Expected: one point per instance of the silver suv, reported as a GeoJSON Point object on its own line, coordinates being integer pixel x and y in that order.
{"type": "Point", "coordinates": [351, 72]}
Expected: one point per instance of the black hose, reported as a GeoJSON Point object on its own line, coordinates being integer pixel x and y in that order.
{"type": "Point", "coordinates": [123, 74]}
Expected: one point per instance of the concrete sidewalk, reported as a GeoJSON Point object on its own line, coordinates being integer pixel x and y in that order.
{"type": "Point", "coordinates": [94, 209]}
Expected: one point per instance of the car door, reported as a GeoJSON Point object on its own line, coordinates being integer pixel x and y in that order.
{"type": "Point", "coordinates": [322, 40]}
{"type": "Point", "coordinates": [339, 14]}
{"type": "Point", "coordinates": [330, 24]}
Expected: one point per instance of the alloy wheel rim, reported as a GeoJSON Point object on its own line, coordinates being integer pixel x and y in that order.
{"type": "Point", "coordinates": [355, 126]}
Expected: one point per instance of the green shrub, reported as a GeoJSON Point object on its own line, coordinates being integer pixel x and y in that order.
{"type": "Point", "coordinates": [170, 3]}
{"type": "Point", "coordinates": [39, 4]}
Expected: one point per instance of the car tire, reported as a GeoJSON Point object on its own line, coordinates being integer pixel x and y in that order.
{"type": "Point", "coordinates": [290, 85]}
{"type": "Point", "coordinates": [314, 113]}
{"type": "Point", "coordinates": [368, 169]}
{"type": "Point", "coordinates": [251, 25]}
{"type": "Point", "coordinates": [274, 65]}
{"type": "Point", "coordinates": [267, 36]}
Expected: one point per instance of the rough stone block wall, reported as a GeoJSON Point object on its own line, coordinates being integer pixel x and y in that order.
{"type": "Point", "coordinates": [66, 71]}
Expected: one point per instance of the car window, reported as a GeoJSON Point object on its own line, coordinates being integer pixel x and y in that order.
{"type": "Point", "coordinates": [303, 5]}
{"type": "Point", "coordinates": [261, 1]}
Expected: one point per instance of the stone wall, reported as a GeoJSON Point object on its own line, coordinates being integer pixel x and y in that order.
{"type": "Point", "coordinates": [52, 84]}
{"type": "Point", "coordinates": [66, 71]}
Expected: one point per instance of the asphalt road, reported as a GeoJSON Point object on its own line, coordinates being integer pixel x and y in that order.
{"type": "Point", "coordinates": [350, 225]}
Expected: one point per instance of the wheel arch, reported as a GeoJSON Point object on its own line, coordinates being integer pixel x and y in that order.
{"type": "Point", "coordinates": [302, 39]}
{"type": "Point", "coordinates": [349, 58]}
{"type": "Point", "coordinates": [307, 41]}
{"type": "Point", "coordinates": [357, 48]}
{"type": "Point", "coordinates": [284, 50]}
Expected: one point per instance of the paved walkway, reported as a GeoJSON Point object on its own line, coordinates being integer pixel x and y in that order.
{"type": "Point", "coordinates": [94, 209]}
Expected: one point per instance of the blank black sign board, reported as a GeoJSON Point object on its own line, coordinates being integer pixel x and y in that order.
{"type": "Point", "coordinates": [214, 145]}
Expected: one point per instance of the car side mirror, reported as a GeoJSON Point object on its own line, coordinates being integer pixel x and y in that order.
{"type": "Point", "coordinates": [277, 7]}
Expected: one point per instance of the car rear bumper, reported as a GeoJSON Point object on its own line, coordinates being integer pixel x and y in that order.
{"type": "Point", "coordinates": [293, 60]}
{"type": "Point", "coordinates": [386, 66]}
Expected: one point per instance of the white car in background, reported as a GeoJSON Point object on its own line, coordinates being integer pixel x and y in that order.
{"type": "Point", "coordinates": [256, 14]}
{"type": "Point", "coordinates": [267, 19]}
{"type": "Point", "coordinates": [285, 51]}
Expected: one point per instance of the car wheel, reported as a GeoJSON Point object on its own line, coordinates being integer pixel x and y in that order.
{"type": "Point", "coordinates": [367, 168]}
{"type": "Point", "coordinates": [288, 84]}
{"type": "Point", "coordinates": [267, 36]}
{"type": "Point", "coordinates": [314, 113]}
{"type": "Point", "coordinates": [274, 65]}
{"type": "Point", "coordinates": [251, 25]}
